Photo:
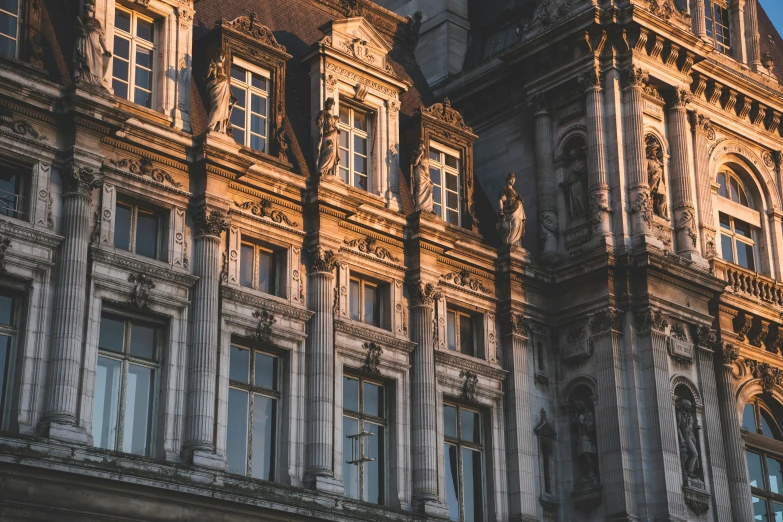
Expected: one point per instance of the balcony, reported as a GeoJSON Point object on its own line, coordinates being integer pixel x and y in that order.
{"type": "Point", "coordinates": [748, 283]}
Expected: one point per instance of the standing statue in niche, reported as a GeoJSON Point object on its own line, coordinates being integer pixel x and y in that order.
{"type": "Point", "coordinates": [655, 177]}
{"type": "Point", "coordinates": [422, 183]}
{"type": "Point", "coordinates": [221, 101]}
{"type": "Point", "coordinates": [574, 185]}
{"type": "Point", "coordinates": [687, 430]}
{"type": "Point", "coordinates": [586, 448]}
{"type": "Point", "coordinates": [511, 218]}
{"type": "Point", "coordinates": [90, 55]}
{"type": "Point", "coordinates": [328, 133]}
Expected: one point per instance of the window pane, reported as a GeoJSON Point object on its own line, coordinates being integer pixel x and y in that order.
{"type": "Point", "coordinates": [768, 425]}
{"type": "Point", "coordinates": [257, 124]}
{"type": "Point", "coordinates": [9, 192]}
{"type": "Point", "coordinates": [373, 399]}
{"type": "Point", "coordinates": [345, 114]}
{"type": "Point", "coordinates": [360, 181]}
{"type": "Point", "coordinates": [141, 97]}
{"type": "Point", "coordinates": [266, 272]}
{"type": "Point", "coordinates": [147, 234]}
{"type": "Point", "coordinates": [263, 437]}
{"type": "Point", "coordinates": [451, 330]}
{"type": "Point", "coordinates": [734, 190]}
{"type": "Point", "coordinates": [450, 421]}
{"type": "Point", "coordinates": [745, 255]}
{"type": "Point", "coordinates": [350, 471]}
{"type": "Point", "coordinates": [345, 142]}
{"type": "Point", "coordinates": [435, 155]}
{"type": "Point", "coordinates": [370, 310]}
{"type": "Point", "coordinates": [775, 475]}
{"type": "Point", "coordinates": [451, 161]}
{"type": "Point", "coordinates": [373, 471]}
{"type": "Point", "coordinates": [466, 341]}
{"type": "Point", "coordinates": [777, 510]}
{"type": "Point", "coordinates": [360, 164]}
{"type": "Point", "coordinates": [238, 73]}
{"type": "Point", "coordinates": [257, 143]}
{"type": "Point", "coordinates": [760, 509]}
{"type": "Point", "coordinates": [435, 176]}
{"type": "Point", "coordinates": [122, 226]}
{"type": "Point", "coordinates": [239, 365]}
{"type": "Point", "coordinates": [258, 81]}
{"type": "Point", "coordinates": [111, 336]}
{"type": "Point", "coordinates": [246, 254]}
{"type": "Point", "coordinates": [122, 20]}
{"type": "Point", "coordinates": [237, 134]}
{"type": "Point", "coordinates": [144, 30]}
{"type": "Point", "coordinates": [5, 354]}
{"type": "Point", "coordinates": [451, 199]}
{"type": "Point", "coordinates": [722, 185]}
{"type": "Point", "coordinates": [258, 105]}
{"type": "Point", "coordinates": [473, 501]}
{"type": "Point", "coordinates": [451, 182]}
{"type": "Point", "coordinates": [360, 145]}
{"type": "Point", "coordinates": [452, 480]}
{"type": "Point", "coordinates": [360, 120]}
{"type": "Point", "coordinates": [122, 51]}
{"type": "Point", "coordinates": [266, 371]}
{"type": "Point", "coordinates": [142, 342]}
{"type": "Point", "coordinates": [236, 431]}
{"type": "Point", "coordinates": [138, 410]}
{"type": "Point", "coordinates": [725, 222]}
{"type": "Point", "coordinates": [354, 298]}
{"type": "Point", "coordinates": [471, 426]}
{"type": "Point", "coordinates": [755, 472]}
{"type": "Point", "coordinates": [143, 59]}
{"type": "Point", "coordinates": [749, 418]}
{"type": "Point", "coordinates": [106, 403]}
{"type": "Point", "coordinates": [350, 394]}
{"type": "Point", "coordinates": [6, 309]}
{"type": "Point", "coordinates": [741, 228]}
{"type": "Point", "coordinates": [453, 217]}
{"type": "Point", "coordinates": [121, 91]}
{"type": "Point", "coordinates": [725, 246]}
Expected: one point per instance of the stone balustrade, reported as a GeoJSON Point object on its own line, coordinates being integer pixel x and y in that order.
{"type": "Point", "coordinates": [749, 283]}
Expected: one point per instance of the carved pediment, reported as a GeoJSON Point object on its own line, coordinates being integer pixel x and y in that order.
{"type": "Point", "coordinates": [252, 27]}
{"type": "Point", "coordinates": [360, 40]}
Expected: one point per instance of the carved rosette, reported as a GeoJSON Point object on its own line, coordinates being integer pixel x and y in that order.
{"type": "Point", "coordinates": [80, 180]}
{"type": "Point", "coordinates": [209, 222]}
{"type": "Point", "coordinates": [423, 294]}
{"type": "Point", "coordinates": [470, 385]}
{"type": "Point", "coordinates": [322, 261]}
{"type": "Point", "coordinates": [606, 320]}
{"type": "Point", "coordinates": [651, 321]}
{"type": "Point", "coordinates": [142, 286]}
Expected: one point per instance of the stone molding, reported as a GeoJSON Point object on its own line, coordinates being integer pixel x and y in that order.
{"type": "Point", "coordinates": [143, 167]}
{"type": "Point", "coordinates": [114, 259]}
{"type": "Point", "coordinates": [374, 352]}
{"type": "Point", "coordinates": [250, 26]}
{"type": "Point", "coordinates": [263, 209]}
{"type": "Point", "coordinates": [377, 337]}
{"type": "Point", "coordinates": [681, 380]}
{"type": "Point", "coordinates": [423, 294]}
{"type": "Point", "coordinates": [478, 366]}
{"type": "Point", "coordinates": [470, 385]}
{"type": "Point", "coordinates": [445, 113]}
{"type": "Point", "coordinates": [463, 279]}
{"type": "Point", "coordinates": [368, 245]}
{"type": "Point", "coordinates": [247, 299]}
{"type": "Point", "coordinates": [209, 222]}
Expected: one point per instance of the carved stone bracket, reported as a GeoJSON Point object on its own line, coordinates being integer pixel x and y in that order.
{"type": "Point", "coordinates": [463, 278]}
{"type": "Point", "coordinates": [758, 332]}
{"type": "Point", "coordinates": [142, 286]}
{"type": "Point", "coordinates": [263, 208]}
{"type": "Point", "coordinates": [209, 222]}
{"type": "Point", "coordinates": [696, 499]}
{"type": "Point", "coordinates": [768, 376]}
{"type": "Point", "coordinates": [729, 354]}
{"type": "Point", "coordinates": [368, 245]}
{"type": "Point", "coordinates": [587, 499]}
{"type": "Point", "coordinates": [263, 330]}
{"type": "Point", "coordinates": [374, 353]}
{"type": "Point", "coordinates": [598, 206]}
{"type": "Point", "coordinates": [742, 325]}
{"type": "Point", "coordinates": [470, 385]}
{"type": "Point", "coordinates": [423, 294]}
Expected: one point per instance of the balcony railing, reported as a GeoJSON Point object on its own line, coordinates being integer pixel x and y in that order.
{"type": "Point", "coordinates": [748, 283]}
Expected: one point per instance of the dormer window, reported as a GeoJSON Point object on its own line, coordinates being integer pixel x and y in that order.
{"type": "Point", "coordinates": [354, 164]}
{"type": "Point", "coordinates": [134, 52]}
{"type": "Point", "coordinates": [9, 27]}
{"type": "Point", "coordinates": [249, 118]}
{"type": "Point", "coordinates": [445, 173]}
{"type": "Point", "coordinates": [716, 16]}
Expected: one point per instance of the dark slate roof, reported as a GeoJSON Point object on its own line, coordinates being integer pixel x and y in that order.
{"type": "Point", "coordinates": [770, 41]}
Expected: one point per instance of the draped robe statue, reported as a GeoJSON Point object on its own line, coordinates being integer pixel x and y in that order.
{"type": "Point", "coordinates": [422, 183]}
{"type": "Point", "coordinates": [686, 431]}
{"type": "Point", "coordinates": [90, 55]}
{"type": "Point", "coordinates": [511, 218]}
{"type": "Point", "coordinates": [586, 448]}
{"type": "Point", "coordinates": [574, 186]}
{"type": "Point", "coordinates": [328, 146]}
{"type": "Point", "coordinates": [221, 101]}
{"type": "Point", "coordinates": [656, 180]}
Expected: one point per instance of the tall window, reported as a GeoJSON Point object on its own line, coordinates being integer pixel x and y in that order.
{"type": "Point", "coordinates": [9, 27]}
{"type": "Point", "coordinates": [254, 390]}
{"type": "Point", "coordinates": [138, 229]}
{"type": "Point", "coordinates": [364, 445]}
{"type": "Point", "coordinates": [764, 454]}
{"type": "Point", "coordinates": [366, 302]}
{"type": "Point", "coordinates": [258, 268]}
{"type": "Point", "coordinates": [13, 201]}
{"type": "Point", "coordinates": [8, 336]}
{"type": "Point", "coordinates": [125, 382]}
{"type": "Point", "coordinates": [249, 124]}
{"type": "Point", "coordinates": [462, 332]}
{"type": "Point", "coordinates": [717, 18]}
{"type": "Point", "coordinates": [354, 146]}
{"type": "Point", "coordinates": [445, 173]}
{"type": "Point", "coordinates": [134, 51]}
{"type": "Point", "coordinates": [464, 463]}
{"type": "Point", "coordinates": [730, 186]}
{"type": "Point", "coordinates": [737, 236]}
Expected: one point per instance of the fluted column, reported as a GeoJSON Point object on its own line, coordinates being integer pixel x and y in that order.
{"type": "Point", "coordinates": [698, 19]}
{"type": "Point", "coordinates": [640, 201]}
{"type": "Point", "coordinates": [199, 441]}
{"type": "Point", "coordinates": [600, 205]}
{"type": "Point", "coordinates": [703, 135]}
{"type": "Point", "coordinates": [62, 391]}
{"type": "Point", "coordinates": [319, 370]}
{"type": "Point", "coordinates": [752, 34]}
{"type": "Point", "coordinates": [685, 222]}
{"type": "Point", "coordinates": [545, 179]}
{"type": "Point", "coordinates": [739, 492]}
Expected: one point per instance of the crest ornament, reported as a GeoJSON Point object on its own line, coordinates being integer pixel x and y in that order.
{"type": "Point", "coordinates": [471, 383]}
{"type": "Point", "coordinates": [142, 286]}
{"type": "Point", "coordinates": [374, 353]}
{"type": "Point", "coordinates": [263, 331]}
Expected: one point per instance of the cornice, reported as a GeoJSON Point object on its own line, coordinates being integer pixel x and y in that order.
{"type": "Point", "coordinates": [245, 298]}
{"type": "Point", "coordinates": [480, 367]}
{"type": "Point", "coordinates": [370, 233]}
{"type": "Point", "coordinates": [27, 233]}
{"type": "Point", "coordinates": [160, 271]}
{"type": "Point", "coordinates": [145, 180]}
{"type": "Point", "coordinates": [367, 334]}
{"type": "Point", "coordinates": [233, 185]}
{"type": "Point", "coordinates": [128, 147]}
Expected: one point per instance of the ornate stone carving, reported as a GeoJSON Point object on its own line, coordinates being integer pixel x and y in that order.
{"type": "Point", "coordinates": [591, 78]}
{"type": "Point", "coordinates": [328, 133]}
{"type": "Point", "coordinates": [680, 98]}
{"type": "Point", "coordinates": [607, 319]}
{"type": "Point", "coordinates": [634, 77]}
{"type": "Point", "coordinates": [729, 354]}
{"type": "Point", "coordinates": [423, 294]}
{"type": "Point", "coordinates": [687, 434]}
{"type": "Point", "coordinates": [374, 353]}
{"type": "Point", "coordinates": [575, 184]}
{"type": "Point", "coordinates": [511, 217]}
{"type": "Point", "coordinates": [586, 449]}
{"type": "Point", "coordinates": [263, 330]}
{"type": "Point", "coordinates": [443, 112]}
{"type": "Point", "coordinates": [775, 341]}
{"type": "Point", "coordinates": [577, 333]}
{"type": "Point", "coordinates": [19, 126]}
{"type": "Point", "coordinates": [651, 320]}
{"type": "Point", "coordinates": [368, 245]}
{"type": "Point", "coordinates": [759, 332]}
{"type": "Point", "coordinates": [463, 278]}
{"type": "Point", "coordinates": [209, 222]}
{"type": "Point", "coordinates": [250, 26]}
{"type": "Point", "coordinates": [143, 167]}
{"type": "Point", "coordinates": [655, 177]}
{"type": "Point", "coordinates": [414, 28]}
{"type": "Point", "coordinates": [518, 323]}
{"type": "Point", "coordinates": [644, 206]}
{"type": "Point", "coordinates": [263, 208]}
{"type": "Point", "coordinates": [420, 176]}
{"type": "Point", "coordinates": [90, 54]}
{"type": "Point", "coordinates": [678, 332]}
{"type": "Point", "coordinates": [697, 500]}
{"type": "Point", "coordinates": [768, 61]}
{"type": "Point", "coordinates": [704, 336]}
{"type": "Point", "coordinates": [742, 325]}
{"type": "Point", "coordinates": [544, 428]}
{"type": "Point", "coordinates": [221, 101]}
{"type": "Point", "coordinates": [688, 223]}
{"type": "Point", "coordinates": [768, 376]}
{"type": "Point", "coordinates": [81, 180]}
{"type": "Point", "coordinates": [662, 8]}
{"type": "Point", "coordinates": [5, 243]}
{"type": "Point", "coordinates": [599, 205]}
{"type": "Point", "coordinates": [322, 261]}
{"type": "Point", "coordinates": [470, 386]}
{"type": "Point", "coordinates": [142, 286]}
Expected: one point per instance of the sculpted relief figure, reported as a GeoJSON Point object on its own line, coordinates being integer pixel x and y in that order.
{"type": "Point", "coordinates": [575, 185]}
{"type": "Point", "coordinates": [328, 134]}
{"type": "Point", "coordinates": [586, 448]}
{"type": "Point", "coordinates": [511, 218]}
{"type": "Point", "coordinates": [422, 183]}
{"type": "Point", "coordinates": [91, 57]}
{"type": "Point", "coordinates": [686, 433]}
{"type": "Point", "coordinates": [655, 177]}
{"type": "Point", "coordinates": [221, 101]}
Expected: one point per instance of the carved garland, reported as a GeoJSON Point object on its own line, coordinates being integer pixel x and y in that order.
{"type": "Point", "coordinates": [143, 167]}
{"type": "Point", "coordinates": [463, 278]}
{"type": "Point", "coordinates": [368, 246]}
{"type": "Point", "coordinates": [263, 208]}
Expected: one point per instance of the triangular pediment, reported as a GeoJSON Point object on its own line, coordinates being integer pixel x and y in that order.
{"type": "Point", "coordinates": [360, 40]}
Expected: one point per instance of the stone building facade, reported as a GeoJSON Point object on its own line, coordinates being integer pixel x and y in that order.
{"type": "Point", "coordinates": [264, 260]}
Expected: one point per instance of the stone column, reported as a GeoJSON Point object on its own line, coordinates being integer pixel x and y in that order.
{"type": "Point", "coordinates": [703, 135]}
{"type": "Point", "coordinates": [424, 421]}
{"type": "Point", "coordinates": [737, 21]}
{"type": "Point", "coordinates": [685, 222]}
{"type": "Point", "coordinates": [521, 454]}
{"type": "Point", "coordinates": [319, 371]}
{"type": "Point", "coordinates": [199, 441]}
{"type": "Point", "coordinates": [600, 204]}
{"type": "Point", "coordinates": [752, 35]}
{"type": "Point", "coordinates": [698, 19]}
{"type": "Point", "coordinates": [634, 79]}
{"type": "Point", "coordinates": [62, 390]}
{"type": "Point", "coordinates": [545, 179]}
{"type": "Point", "coordinates": [739, 493]}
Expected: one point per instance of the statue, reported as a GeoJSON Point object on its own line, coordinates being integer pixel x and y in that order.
{"type": "Point", "coordinates": [328, 146]}
{"type": "Point", "coordinates": [574, 185]}
{"type": "Point", "coordinates": [687, 428]}
{"type": "Point", "coordinates": [90, 55]}
{"type": "Point", "coordinates": [511, 216]}
{"type": "Point", "coordinates": [221, 101]}
{"type": "Point", "coordinates": [422, 183]}
{"type": "Point", "coordinates": [586, 448]}
{"type": "Point", "coordinates": [655, 178]}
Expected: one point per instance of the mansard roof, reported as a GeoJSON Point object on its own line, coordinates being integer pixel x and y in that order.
{"type": "Point", "coordinates": [770, 42]}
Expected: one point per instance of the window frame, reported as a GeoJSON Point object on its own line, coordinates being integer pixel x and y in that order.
{"type": "Point", "coordinates": [160, 214]}
{"type": "Point", "coordinates": [380, 306]}
{"type": "Point", "coordinates": [274, 273]}
{"type": "Point", "coordinates": [441, 166]}
{"type": "Point", "coordinates": [251, 90]}
{"type": "Point", "coordinates": [135, 41]}
{"type": "Point", "coordinates": [12, 331]}
{"type": "Point", "coordinates": [353, 132]}
{"type": "Point", "coordinates": [461, 443]}
{"type": "Point", "coordinates": [21, 187]}
{"type": "Point", "coordinates": [734, 237]}
{"type": "Point", "coordinates": [723, 43]}
{"type": "Point", "coordinates": [473, 318]}
{"type": "Point", "coordinates": [765, 447]}
{"type": "Point", "coordinates": [16, 39]}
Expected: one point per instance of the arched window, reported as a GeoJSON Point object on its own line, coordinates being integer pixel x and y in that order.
{"type": "Point", "coordinates": [739, 222]}
{"type": "Point", "coordinates": [731, 187]}
{"type": "Point", "coordinates": [761, 419]}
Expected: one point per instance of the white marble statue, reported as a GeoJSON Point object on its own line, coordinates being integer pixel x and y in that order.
{"type": "Point", "coordinates": [90, 55]}
{"type": "Point", "coordinates": [422, 183]}
{"type": "Point", "coordinates": [511, 219]}
{"type": "Point", "coordinates": [328, 133]}
{"type": "Point", "coordinates": [221, 101]}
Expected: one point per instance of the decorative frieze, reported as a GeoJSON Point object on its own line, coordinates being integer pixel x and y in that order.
{"type": "Point", "coordinates": [368, 245]}
{"type": "Point", "coordinates": [142, 286]}
{"type": "Point", "coordinates": [463, 278]}
{"type": "Point", "coordinates": [263, 209]}
{"type": "Point", "coordinates": [696, 499]}
{"type": "Point", "coordinates": [19, 126]}
{"type": "Point", "coordinates": [144, 167]}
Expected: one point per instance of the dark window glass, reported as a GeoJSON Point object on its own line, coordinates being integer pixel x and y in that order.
{"type": "Point", "coordinates": [147, 234]}
{"type": "Point", "coordinates": [246, 254]}
{"type": "Point", "coordinates": [350, 394]}
{"type": "Point", "coordinates": [371, 315]}
{"type": "Point", "coordinates": [774, 475]}
{"type": "Point", "coordinates": [452, 480]}
{"type": "Point", "coordinates": [755, 472]}
{"type": "Point", "coordinates": [138, 410]}
{"type": "Point", "coordinates": [471, 426]}
{"type": "Point", "coordinates": [451, 330]}
{"type": "Point", "coordinates": [745, 256]}
{"type": "Point", "coordinates": [722, 185]}
{"type": "Point", "coordinates": [106, 403]}
{"type": "Point", "coordinates": [12, 202]}
{"type": "Point", "coordinates": [122, 20]}
{"type": "Point", "coordinates": [466, 335]}
{"type": "Point", "coordinates": [145, 30]}
{"type": "Point", "coordinates": [263, 436]}
{"type": "Point", "coordinates": [726, 248]}
{"type": "Point", "coordinates": [142, 343]}
{"type": "Point", "coordinates": [5, 364]}
{"type": "Point", "coordinates": [350, 471]}
{"type": "Point", "coordinates": [473, 502]}
{"type": "Point", "coordinates": [760, 509]}
{"type": "Point", "coordinates": [6, 309]}
{"type": "Point", "coordinates": [112, 334]}
{"type": "Point", "coordinates": [239, 365]}
{"type": "Point", "coordinates": [373, 399]}
{"type": "Point", "coordinates": [236, 442]}
{"type": "Point", "coordinates": [374, 482]}
{"type": "Point", "coordinates": [749, 418]}
{"type": "Point", "coordinates": [354, 298]}
{"type": "Point", "coordinates": [450, 421]}
{"type": "Point", "coordinates": [266, 371]}
{"type": "Point", "coordinates": [122, 226]}
{"type": "Point", "coordinates": [266, 272]}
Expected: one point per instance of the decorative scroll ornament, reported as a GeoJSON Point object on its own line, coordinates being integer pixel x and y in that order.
{"type": "Point", "coordinates": [700, 123]}
{"type": "Point", "coordinates": [424, 294]}
{"type": "Point", "coordinates": [470, 386]}
{"type": "Point", "coordinates": [599, 205]}
{"type": "Point", "coordinates": [81, 180]}
{"type": "Point", "coordinates": [374, 353]}
{"type": "Point", "coordinates": [142, 287]}
{"type": "Point", "coordinates": [19, 126]}
{"type": "Point", "coordinates": [250, 26]}
{"type": "Point", "coordinates": [143, 167]}
{"type": "Point", "coordinates": [688, 224]}
{"type": "Point", "coordinates": [209, 222]}
{"type": "Point", "coordinates": [644, 205]}
{"type": "Point", "coordinates": [768, 376]}
{"type": "Point", "coordinates": [263, 330]}
{"type": "Point", "coordinates": [4, 244]}
{"type": "Point", "coordinates": [608, 319]}
{"type": "Point", "coordinates": [322, 261]}
{"type": "Point", "coordinates": [367, 245]}
{"type": "Point", "coordinates": [263, 208]}
{"type": "Point", "coordinates": [651, 320]}
{"type": "Point", "coordinates": [444, 113]}
{"type": "Point", "coordinates": [463, 278]}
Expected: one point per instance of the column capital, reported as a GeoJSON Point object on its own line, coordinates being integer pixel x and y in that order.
{"type": "Point", "coordinates": [680, 98]}
{"type": "Point", "coordinates": [728, 353]}
{"type": "Point", "coordinates": [80, 180]}
{"type": "Point", "coordinates": [651, 320]}
{"type": "Point", "coordinates": [538, 103]}
{"type": "Point", "coordinates": [705, 337]}
{"type": "Point", "coordinates": [591, 79]}
{"type": "Point", "coordinates": [606, 320]}
{"type": "Point", "coordinates": [324, 261]}
{"type": "Point", "coordinates": [634, 77]}
{"type": "Point", "coordinates": [423, 294]}
{"type": "Point", "coordinates": [209, 222]}
{"type": "Point", "coordinates": [701, 124]}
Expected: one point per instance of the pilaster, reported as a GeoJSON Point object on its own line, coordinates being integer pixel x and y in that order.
{"type": "Point", "coordinates": [545, 179]}
{"type": "Point", "coordinates": [703, 136]}
{"type": "Point", "coordinates": [698, 19]}
{"type": "Point", "coordinates": [600, 202]}
{"type": "Point", "coordinates": [752, 34]}
{"type": "Point", "coordinates": [634, 79]}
